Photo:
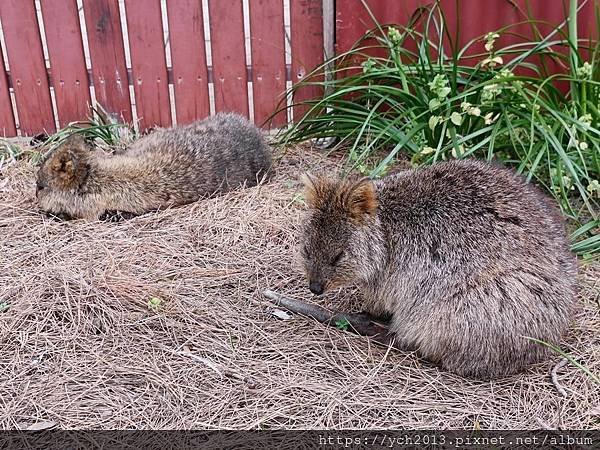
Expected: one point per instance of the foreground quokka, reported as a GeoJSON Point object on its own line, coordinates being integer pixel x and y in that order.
{"type": "Point", "coordinates": [168, 167]}
{"type": "Point", "coordinates": [467, 258]}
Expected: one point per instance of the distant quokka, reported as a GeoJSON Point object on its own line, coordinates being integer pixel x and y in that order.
{"type": "Point", "coordinates": [168, 167]}
{"type": "Point", "coordinates": [468, 259]}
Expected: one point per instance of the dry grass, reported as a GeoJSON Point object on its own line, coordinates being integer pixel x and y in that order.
{"type": "Point", "coordinates": [81, 347]}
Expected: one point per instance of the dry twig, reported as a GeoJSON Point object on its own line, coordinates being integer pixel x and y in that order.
{"type": "Point", "coordinates": [554, 375]}
{"type": "Point", "coordinates": [361, 323]}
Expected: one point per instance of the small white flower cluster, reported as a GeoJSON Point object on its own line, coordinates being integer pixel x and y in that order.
{"type": "Point", "coordinates": [368, 65]}
{"type": "Point", "coordinates": [470, 109]}
{"type": "Point", "coordinates": [504, 80]}
{"type": "Point", "coordinates": [594, 188]}
{"type": "Point", "coordinates": [457, 118]}
{"type": "Point", "coordinates": [394, 36]}
{"type": "Point", "coordinates": [456, 153]}
{"type": "Point", "coordinates": [565, 180]}
{"type": "Point", "coordinates": [581, 145]}
{"type": "Point", "coordinates": [586, 120]}
{"type": "Point", "coordinates": [489, 118]}
{"type": "Point", "coordinates": [492, 60]}
{"type": "Point", "coordinates": [489, 92]}
{"type": "Point", "coordinates": [535, 106]}
{"type": "Point", "coordinates": [439, 86]}
{"type": "Point", "coordinates": [490, 38]}
{"type": "Point", "coordinates": [584, 72]}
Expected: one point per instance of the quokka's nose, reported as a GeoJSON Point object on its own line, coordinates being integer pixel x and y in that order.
{"type": "Point", "coordinates": [315, 287]}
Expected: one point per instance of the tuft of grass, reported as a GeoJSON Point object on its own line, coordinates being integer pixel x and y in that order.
{"type": "Point", "coordinates": [99, 129]}
{"type": "Point", "coordinates": [586, 241]}
{"type": "Point", "coordinates": [9, 152]}
{"type": "Point", "coordinates": [440, 101]}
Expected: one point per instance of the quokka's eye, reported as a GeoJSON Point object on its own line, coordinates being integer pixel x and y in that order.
{"type": "Point", "coordinates": [337, 258]}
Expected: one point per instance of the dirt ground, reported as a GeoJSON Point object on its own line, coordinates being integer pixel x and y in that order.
{"type": "Point", "coordinates": [84, 346]}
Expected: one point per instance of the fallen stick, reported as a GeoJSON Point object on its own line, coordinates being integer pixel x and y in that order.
{"type": "Point", "coordinates": [362, 324]}
{"type": "Point", "coordinates": [207, 362]}
{"type": "Point", "coordinates": [554, 376]}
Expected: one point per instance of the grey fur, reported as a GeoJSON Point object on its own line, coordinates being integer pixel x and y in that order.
{"type": "Point", "coordinates": [467, 258]}
{"type": "Point", "coordinates": [168, 167]}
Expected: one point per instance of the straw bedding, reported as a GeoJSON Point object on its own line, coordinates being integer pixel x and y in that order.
{"type": "Point", "coordinates": [159, 322]}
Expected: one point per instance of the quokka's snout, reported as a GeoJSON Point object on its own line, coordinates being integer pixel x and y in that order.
{"type": "Point", "coordinates": [315, 287]}
{"type": "Point", "coordinates": [468, 259]}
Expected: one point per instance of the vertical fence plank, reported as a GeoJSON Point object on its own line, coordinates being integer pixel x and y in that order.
{"type": "Point", "coordinates": [353, 21]}
{"type": "Point", "coordinates": [472, 23]}
{"type": "Point", "coordinates": [7, 119]}
{"type": "Point", "coordinates": [67, 60]}
{"type": "Point", "coordinates": [27, 67]}
{"type": "Point", "coordinates": [188, 58]}
{"type": "Point", "coordinates": [306, 47]}
{"type": "Point", "coordinates": [228, 55]}
{"type": "Point", "coordinates": [108, 56]}
{"type": "Point", "coordinates": [268, 60]}
{"type": "Point", "coordinates": [148, 62]}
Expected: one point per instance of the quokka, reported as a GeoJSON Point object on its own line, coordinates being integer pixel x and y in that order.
{"type": "Point", "coordinates": [467, 259]}
{"type": "Point", "coordinates": [168, 167]}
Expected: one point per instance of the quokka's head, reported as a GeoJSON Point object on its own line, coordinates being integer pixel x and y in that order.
{"type": "Point", "coordinates": [61, 178]}
{"type": "Point", "coordinates": [333, 236]}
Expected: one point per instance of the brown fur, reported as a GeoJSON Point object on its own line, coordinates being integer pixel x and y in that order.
{"type": "Point", "coordinates": [168, 167]}
{"type": "Point", "coordinates": [467, 258]}
{"type": "Point", "coordinates": [355, 197]}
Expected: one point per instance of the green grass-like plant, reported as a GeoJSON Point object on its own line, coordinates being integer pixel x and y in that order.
{"type": "Point", "coordinates": [440, 101]}
{"type": "Point", "coordinates": [99, 129]}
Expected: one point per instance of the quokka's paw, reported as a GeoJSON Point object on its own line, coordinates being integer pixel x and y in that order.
{"type": "Point", "coordinates": [116, 216]}
{"type": "Point", "coordinates": [380, 318]}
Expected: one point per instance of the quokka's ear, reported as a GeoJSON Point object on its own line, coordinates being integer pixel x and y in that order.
{"type": "Point", "coordinates": [313, 190]}
{"type": "Point", "coordinates": [69, 166]}
{"type": "Point", "coordinates": [353, 198]}
{"type": "Point", "coordinates": [359, 199]}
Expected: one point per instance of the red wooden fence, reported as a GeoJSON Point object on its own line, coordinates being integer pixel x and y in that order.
{"type": "Point", "coordinates": [188, 59]}
{"type": "Point", "coordinates": [108, 74]}
{"type": "Point", "coordinates": [27, 68]}
{"type": "Point", "coordinates": [234, 72]}
{"type": "Point", "coordinates": [230, 78]}
{"type": "Point", "coordinates": [268, 61]}
{"type": "Point", "coordinates": [476, 17]}
{"type": "Point", "coordinates": [65, 48]}
{"type": "Point", "coordinates": [105, 40]}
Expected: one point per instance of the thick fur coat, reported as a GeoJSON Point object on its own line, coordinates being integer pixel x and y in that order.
{"type": "Point", "coordinates": [468, 259]}
{"type": "Point", "coordinates": [168, 167]}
